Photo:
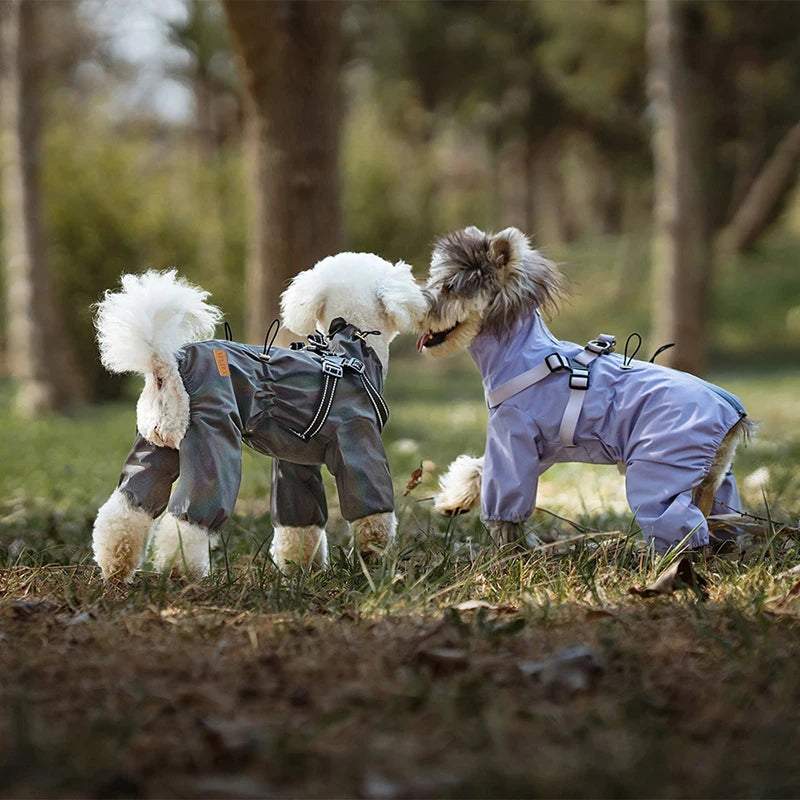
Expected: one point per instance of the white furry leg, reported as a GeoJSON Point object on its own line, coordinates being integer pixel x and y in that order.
{"type": "Point", "coordinates": [299, 546]}
{"type": "Point", "coordinates": [460, 486]}
{"type": "Point", "coordinates": [181, 545]}
{"type": "Point", "coordinates": [375, 532]}
{"type": "Point", "coordinates": [119, 537]}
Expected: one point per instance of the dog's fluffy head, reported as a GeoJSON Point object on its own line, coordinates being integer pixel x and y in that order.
{"type": "Point", "coordinates": [366, 290]}
{"type": "Point", "coordinates": [484, 282]}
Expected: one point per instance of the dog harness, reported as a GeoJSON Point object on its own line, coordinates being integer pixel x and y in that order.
{"type": "Point", "coordinates": [333, 368]}
{"type": "Point", "coordinates": [578, 368]}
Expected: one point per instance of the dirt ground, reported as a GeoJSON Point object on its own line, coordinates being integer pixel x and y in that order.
{"type": "Point", "coordinates": [114, 698]}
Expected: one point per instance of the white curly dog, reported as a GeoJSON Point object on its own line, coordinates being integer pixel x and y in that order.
{"type": "Point", "coordinates": [316, 403]}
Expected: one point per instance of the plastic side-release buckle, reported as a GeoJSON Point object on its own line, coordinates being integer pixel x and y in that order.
{"type": "Point", "coordinates": [317, 343]}
{"type": "Point", "coordinates": [604, 343]}
{"type": "Point", "coordinates": [297, 346]}
{"type": "Point", "coordinates": [354, 364]}
{"type": "Point", "coordinates": [556, 362]}
{"type": "Point", "coordinates": [579, 379]}
{"type": "Point", "coordinates": [332, 368]}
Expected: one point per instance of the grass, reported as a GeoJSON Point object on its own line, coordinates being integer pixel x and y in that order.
{"type": "Point", "coordinates": [377, 681]}
{"type": "Point", "coordinates": [442, 670]}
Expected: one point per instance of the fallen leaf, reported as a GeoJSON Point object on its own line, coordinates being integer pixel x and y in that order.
{"type": "Point", "coordinates": [447, 657]}
{"type": "Point", "coordinates": [415, 479]}
{"type": "Point", "coordinates": [596, 613]}
{"type": "Point", "coordinates": [28, 608]}
{"type": "Point", "coordinates": [78, 619]}
{"type": "Point", "coordinates": [571, 670]}
{"type": "Point", "coordinates": [680, 575]}
{"type": "Point", "coordinates": [774, 603]}
{"type": "Point", "coordinates": [792, 571]}
{"type": "Point", "coordinates": [473, 605]}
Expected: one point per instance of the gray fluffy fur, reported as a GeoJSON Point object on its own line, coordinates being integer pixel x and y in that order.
{"type": "Point", "coordinates": [501, 269]}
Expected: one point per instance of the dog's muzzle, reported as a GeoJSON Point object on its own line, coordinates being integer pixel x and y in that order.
{"type": "Point", "coordinates": [431, 339]}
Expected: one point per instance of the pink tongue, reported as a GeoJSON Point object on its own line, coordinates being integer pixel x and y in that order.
{"type": "Point", "coordinates": [421, 341]}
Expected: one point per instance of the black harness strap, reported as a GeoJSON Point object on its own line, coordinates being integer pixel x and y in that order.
{"type": "Point", "coordinates": [333, 368]}
{"type": "Point", "coordinates": [381, 409]}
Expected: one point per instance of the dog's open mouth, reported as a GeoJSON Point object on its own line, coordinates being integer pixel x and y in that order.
{"type": "Point", "coordinates": [431, 339]}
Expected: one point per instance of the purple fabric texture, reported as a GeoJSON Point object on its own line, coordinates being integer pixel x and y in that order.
{"type": "Point", "coordinates": [664, 425]}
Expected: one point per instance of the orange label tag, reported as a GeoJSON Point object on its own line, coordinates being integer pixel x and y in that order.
{"type": "Point", "coordinates": [221, 357]}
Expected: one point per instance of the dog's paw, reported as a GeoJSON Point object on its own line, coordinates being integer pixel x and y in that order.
{"type": "Point", "coordinates": [181, 547]}
{"type": "Point", "coordinates": [460, 486]}
{"type": "Point", "coordinates": [508, 534]}
{"type": "Point", "coordinates": [373, 534]}
{"type": "Point", "coordinates": [299, 546]}
{"type": "Point", "coordinates": [119, 537]}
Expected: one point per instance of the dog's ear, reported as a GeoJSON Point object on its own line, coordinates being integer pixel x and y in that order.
{"type": "Point", "coordinates": [527, 281]}
{"type": "Point", "coordinates": [303, 303]}
{"type": "Point", "coordinates": [401, 297]}
{"type": "Point", "coordinates": [507, 247]}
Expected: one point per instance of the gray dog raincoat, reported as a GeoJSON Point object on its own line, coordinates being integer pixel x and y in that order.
{"type": "Point", "coordinates": [305, 406]}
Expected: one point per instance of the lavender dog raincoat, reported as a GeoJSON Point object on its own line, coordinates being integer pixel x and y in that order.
{"type": "Point", "coordinates": [664, 425]}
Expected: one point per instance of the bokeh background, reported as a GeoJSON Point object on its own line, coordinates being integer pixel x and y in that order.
{"type": "Point", "coordinates": [651, 147]}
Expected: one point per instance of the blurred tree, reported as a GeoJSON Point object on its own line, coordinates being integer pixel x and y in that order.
{"type": "Point", "coordinates": [682, 253]}
{"type": "Point", "coordinates": [290, 54]}
{"type": "Point", "coordinates": [744, 65]}
{"type": "Point", "coordinates": [209, 72]}
{"type": "Point", "coordinates": [769, 188]}
{"type": "Point", "coordinates": [40, 358]}
{"type": "Point", "coordinates": [539, 82]}
{"type": "Point", "coordinates": [724, 85]}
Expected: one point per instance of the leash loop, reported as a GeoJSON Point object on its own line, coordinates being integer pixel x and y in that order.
{"type": "Point", "coordinates": [276, 323]}
{"type": "Point", "coordinates": [660, 351]}
{"type": "Point", "coordinates": [626, 359]}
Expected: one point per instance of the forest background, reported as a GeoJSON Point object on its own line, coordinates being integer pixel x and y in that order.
{"type": "Point", "coordinates": [431, 116]}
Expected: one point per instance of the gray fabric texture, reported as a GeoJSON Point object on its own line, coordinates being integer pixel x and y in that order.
{"type": "Point", "coordinates": [263, 404]}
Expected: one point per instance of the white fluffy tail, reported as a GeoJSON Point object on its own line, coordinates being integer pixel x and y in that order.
{"type": "Point", "coordinates": [460, 486]}
{"type": "Point", "coordinates": [153, 316]}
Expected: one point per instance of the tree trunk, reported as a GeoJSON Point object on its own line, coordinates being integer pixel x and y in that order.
{"type": "Point", "coordinates": [547, 213]}
{"type": "Point", "coordinates": [39, 358]}
{"type": "Point", "coordinates": [771, 184]}
{"type": "Point", "coordinates": [290, 56]}
{"type": "Point", "coordinates": [682, 254]}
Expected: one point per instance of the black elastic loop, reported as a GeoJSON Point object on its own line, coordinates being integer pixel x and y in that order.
{"type": "Point", "coordinates": [228, 332]}
{"type": "Point", "coordinates": [626, 359]}
{"type": "Point", "coordinates": [276, 323]}
{"type": "Point", "coordinates": [362, 334]}
{"type": "Point", "coordinates": [660, 351]}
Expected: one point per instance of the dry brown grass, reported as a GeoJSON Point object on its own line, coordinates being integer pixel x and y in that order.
{"type": "Point", "coordinates": [180, 690]}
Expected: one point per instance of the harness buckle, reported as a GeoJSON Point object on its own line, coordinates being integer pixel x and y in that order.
{"type": "Point", "coordinates": [579, 379]}
{"type": "Point", "coordinates": [317, 343]}
{"type": "Point", "coordinates": [604, 343]}
{"type": "Point", "coordinates": [354, 364]}
{"type": "Point", "coordinates": [332, 368]}
{"type": "Point", "coordinates": [556, 362]}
